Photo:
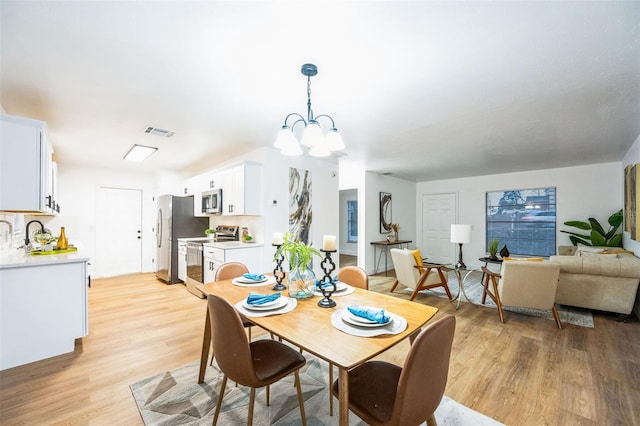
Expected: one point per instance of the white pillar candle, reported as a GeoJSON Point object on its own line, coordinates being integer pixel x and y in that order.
{"type": "Point", "coordinates": [329, 243]}
{"type": "Point", "coordinates": [278, 240]}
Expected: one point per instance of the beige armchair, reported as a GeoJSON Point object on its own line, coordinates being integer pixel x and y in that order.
{"type": "Point", "coordinates": [523, 284]}
{"type": "Point", "coordinates": [411, 275]}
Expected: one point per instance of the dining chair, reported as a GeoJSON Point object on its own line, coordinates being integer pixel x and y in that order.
{"type": "Point", "coordinates": [381, 393]}
{"type": "Point", "coordinates": [523, 284]}
{"type": "Point", "coordinates": [354, 276]}
{"type": "Point", "coordinates": [228, 271]}
{"type": "Point", "coordinates": [254, 364]}
{"type": "Point", "coordinates": [414, 276]}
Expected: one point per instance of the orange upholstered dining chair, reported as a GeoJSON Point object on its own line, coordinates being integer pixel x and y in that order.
{"type": "Point", "coordinates": [354, 276]}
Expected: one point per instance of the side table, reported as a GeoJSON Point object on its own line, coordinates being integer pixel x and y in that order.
{"type": "Point", "coordinates": [486, 261]}
{"type": "Point", "coordinates": [384, 247]}
{"type": "Point", "coordinates": [461, 281]}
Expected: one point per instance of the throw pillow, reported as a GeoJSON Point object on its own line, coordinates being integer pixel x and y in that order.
{"type": "Point", "coordinates": [418, 257]}
{"type": "Point", "coordinates": [590, 254]}
{"type": "Point", "coordinates": [617, 251]}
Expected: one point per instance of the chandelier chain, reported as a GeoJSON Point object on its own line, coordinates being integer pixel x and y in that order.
{"type": "Point", "coordinates": [309, 110]}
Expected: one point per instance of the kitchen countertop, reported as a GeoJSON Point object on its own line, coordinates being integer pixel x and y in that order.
{"type": "Point", "coordinates": [17, 258]}
{"type": "Point", "coordinates": [230, 245]}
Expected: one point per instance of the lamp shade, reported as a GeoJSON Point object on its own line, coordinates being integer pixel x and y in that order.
{"type": "Point", "coordinates": [460, 234]}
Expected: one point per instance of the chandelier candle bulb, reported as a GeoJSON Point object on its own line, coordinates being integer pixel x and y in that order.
{"type": "Point", "coordinates": [329, 243]}
{"type": "Point", "coordinates": [278, 239]}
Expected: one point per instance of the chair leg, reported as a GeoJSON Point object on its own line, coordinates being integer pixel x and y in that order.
{"type": "Point", "coordinates": [394, 286]}
{"type": "Point", "coordinates": [556, 316]}
{"type": "Point", "coordinates": [431, 421]}
{"type": "Point", "coordinates": [486, 287]}
{"type": "Point", "coordinates": [252, 400]}
{"type": "Point", "coordinates": [300, 400]}
{"type": "Point", "coordinates": [219, 404]}
{"type": "Point", "coordinates": [445, 283]}
{"type": "Point", "coordinates": [249, 331]}
{"type": "Point", "coordinates": [330, 384]}
{"type": "Point", "coordinates": [498, 302]}
{"type": "Point", "coordinates": [268, 394]}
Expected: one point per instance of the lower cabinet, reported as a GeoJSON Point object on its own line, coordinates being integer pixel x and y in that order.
{"type": "Point", "coordinates": [43, 309]}
{"type": "Point", "coordinates": [215, 256]}
{"type": "Point", "coordinates": [182, 261]}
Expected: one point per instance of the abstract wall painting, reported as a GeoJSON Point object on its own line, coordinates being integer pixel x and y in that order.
{"type": "Point", "coordinates": [631, 204]}
{"type": "Point", "coordinates": [385, 212]}
{"type": "Point", "coordinates": [300, 212]}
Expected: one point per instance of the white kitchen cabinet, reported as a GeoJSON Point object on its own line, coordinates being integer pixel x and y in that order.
{"type": "Point", "coordinates": [242, 190]}
{"type": "Point", "coordinates": [216, 254]}
{"type": "Point", "coordinates": [25, 157]}
{"type": "Point", "coordinates": [43, 308]}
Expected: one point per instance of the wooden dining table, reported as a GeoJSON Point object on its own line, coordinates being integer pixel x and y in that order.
{"type": "Point", "coordinates": [309, 327]}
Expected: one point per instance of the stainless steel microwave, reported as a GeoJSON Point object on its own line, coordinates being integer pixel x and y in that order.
{"type": "Point", "coordinates": [212, 201]}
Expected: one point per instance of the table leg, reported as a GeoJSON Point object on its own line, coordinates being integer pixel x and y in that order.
{"type": "Point", "coordinates": [461, 289]}
{"type": "Point", "coordinates": [206, 344]}
{"type": "Point", "coordinates": [343, 400]}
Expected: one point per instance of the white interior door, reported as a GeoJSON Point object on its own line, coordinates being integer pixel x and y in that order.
{"type": "Point", "coordinates": [438, 213]}
{"type": "Point", "coordinates": [118, 232]}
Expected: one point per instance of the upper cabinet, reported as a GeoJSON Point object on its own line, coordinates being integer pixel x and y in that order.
{"type": "Point", "coordinates": [242, 190]}
{"type": "Point", "coordinates": [27, 173]}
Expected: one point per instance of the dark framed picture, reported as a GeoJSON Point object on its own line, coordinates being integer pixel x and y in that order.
{"type": "Point", "coordinates": [385, 212]}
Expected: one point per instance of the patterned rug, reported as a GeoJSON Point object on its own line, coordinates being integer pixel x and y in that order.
{"type": "Point", "coordinates": [174, 398]}
{"type": "Point", "coordinates": [473, 289]}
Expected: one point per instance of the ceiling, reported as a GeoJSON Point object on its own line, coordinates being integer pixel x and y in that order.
{"type": "Point", "coordinates": [421, 90]}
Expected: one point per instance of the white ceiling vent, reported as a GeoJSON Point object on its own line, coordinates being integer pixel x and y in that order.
{"type": "Point", "coordinates": [159, 132]}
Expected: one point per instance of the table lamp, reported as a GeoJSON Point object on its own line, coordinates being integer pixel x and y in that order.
{"type": "Point", "coordinates": [460, 234]}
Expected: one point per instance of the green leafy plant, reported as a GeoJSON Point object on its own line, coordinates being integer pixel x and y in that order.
{"type": "Point", "coordinates": [597, 235]}
{"type": "Point", "coordinates": [296, 252]}
{"type": "Point", "coordinates": [493, 247]}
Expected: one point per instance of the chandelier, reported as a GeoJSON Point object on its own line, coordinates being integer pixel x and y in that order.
{"type": "Point", "coordinates": [313, 138]}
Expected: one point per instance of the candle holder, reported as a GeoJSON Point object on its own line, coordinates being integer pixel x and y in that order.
{"type": "Point", "coordinates": [328, 267]}
{"type": "Point", "coordinates": [278, 272]}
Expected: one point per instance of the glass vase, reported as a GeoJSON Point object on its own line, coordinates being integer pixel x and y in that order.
{"type": "Point", "coordinates": [301, 282]}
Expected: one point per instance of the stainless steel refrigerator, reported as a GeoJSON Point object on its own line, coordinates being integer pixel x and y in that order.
{"type": "Point", "coordinates": [175, 220]}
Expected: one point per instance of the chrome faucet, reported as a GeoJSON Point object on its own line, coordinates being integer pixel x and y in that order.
{"type": "Point", "coordinates": [26, 237]}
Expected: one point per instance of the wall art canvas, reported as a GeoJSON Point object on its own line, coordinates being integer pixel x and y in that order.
{"type": "Point", "coordinates": [300, 212]}
{"type": "Point", "coordinates": [631, 205]}
{"type": "Point", "coordinates": [385, 212]}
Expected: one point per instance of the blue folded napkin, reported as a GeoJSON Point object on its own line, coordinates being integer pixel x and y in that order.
{"type": "Point", "coordinates": [260, 299]}
{"type": "Point", "coordinates": [326, 285]}
{"type": "Point", "coordinates": [255, 277]}
{"type": "Point", "coordinates": [372, 314]}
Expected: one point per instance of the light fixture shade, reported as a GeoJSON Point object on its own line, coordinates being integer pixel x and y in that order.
{"type": "Point", "coordinates": [334, 140]}
{"type": "Point", "coordinates": [312, 135]}
{"type": "Point", "coordinates": [460, 234]}
{"type": "Point", "coordinates": [282, 140]}
{"type": "Point", "coordinates": [139, 153]}
{"type": "Point", "coordinates": [291, 147]}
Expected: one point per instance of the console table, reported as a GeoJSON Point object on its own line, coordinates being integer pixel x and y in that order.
{"type": "Point", "coordinates": [384, 248]}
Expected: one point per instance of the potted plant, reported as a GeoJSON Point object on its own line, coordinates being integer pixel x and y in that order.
{"type": "Point", "coordinates": [493, 249]}
{"type": "Point", "coordinates": [211, 233]}
{"type": "Point", "coordinates": [597, 235]}
{"type": "Point", "coordinates": [300, 279]}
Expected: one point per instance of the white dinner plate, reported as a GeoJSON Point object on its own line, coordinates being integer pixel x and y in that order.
{"type": "Point", "coordinates": [351, 319]}
{"type": "Point", "coordinates": [244, 280]}
{"type": "Point", "coordinates": [280, 302]}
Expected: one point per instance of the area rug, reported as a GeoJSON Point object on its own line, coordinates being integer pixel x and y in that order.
{"type": "Point", "coordinates": [174, 398]}
{"type": "Point", "coordinates": [473, 289]}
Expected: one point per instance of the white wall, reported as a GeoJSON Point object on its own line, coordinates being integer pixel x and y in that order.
{"type": "Point", "coordinates": [403, 205]}
{"type": "Point", "coordinates": [77, 196]}
{"type": "Point", "coordinates": [582, 192]}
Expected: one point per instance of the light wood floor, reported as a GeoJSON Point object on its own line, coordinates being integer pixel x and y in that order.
{"type": "Point", "coordinates": [524, 372]}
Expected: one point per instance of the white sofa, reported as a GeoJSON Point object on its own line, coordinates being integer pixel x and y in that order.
{"type": "Point", "coordinates": [603, 281]}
